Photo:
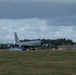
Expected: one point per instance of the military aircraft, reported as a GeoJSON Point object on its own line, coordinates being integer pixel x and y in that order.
{"type": "Point", "coordinates": [28, 44]}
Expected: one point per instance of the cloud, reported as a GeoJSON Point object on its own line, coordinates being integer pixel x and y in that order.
{"type": "Point", "coordinates": [33, 29]}
{"type": "Point", "coordinates": [55, 13]}
{"type": "Point", "coordinates": [37, 19]}
{"type": "Point", "coordinates": [27, 28]}
{"type": "Point", "coordinates": [15, 10]}
{"type": "Point", "coordinates": [43, 0]}
{"type": "Point", "coordinates": [62, 21]}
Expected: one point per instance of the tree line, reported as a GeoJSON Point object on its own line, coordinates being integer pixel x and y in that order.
{"type": "Point", "coordinates": [54, 43]}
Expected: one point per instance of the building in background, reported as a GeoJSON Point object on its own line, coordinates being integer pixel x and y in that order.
{"type": "Point", "coordinates": [67, 47]}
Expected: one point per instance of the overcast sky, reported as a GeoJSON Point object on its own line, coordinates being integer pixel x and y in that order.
{"type": "Point", "coordinates": [37, 19]}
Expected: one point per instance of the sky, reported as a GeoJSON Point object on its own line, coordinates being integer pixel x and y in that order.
{"type": "Point", "coordinates": [37, 19]}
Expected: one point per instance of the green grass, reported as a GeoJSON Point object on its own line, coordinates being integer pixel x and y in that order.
{"type": "Point", "coordinates": [38, 62]}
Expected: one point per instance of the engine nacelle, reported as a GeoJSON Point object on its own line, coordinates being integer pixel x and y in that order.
{"type": "Point", "coordinates": [46, 46]}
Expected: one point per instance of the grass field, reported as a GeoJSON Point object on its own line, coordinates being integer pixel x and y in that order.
{"type": "Point", "coordinates": [38, 62]}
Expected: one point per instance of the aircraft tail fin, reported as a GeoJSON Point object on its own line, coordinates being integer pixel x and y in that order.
{"type": "Point", "coordinates": [16, 38]}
